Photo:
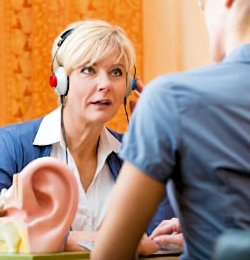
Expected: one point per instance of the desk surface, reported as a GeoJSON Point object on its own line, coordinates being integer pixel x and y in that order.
{"type": "Point", "coordinates": [54, 256]}
{"type": "Point", "coordinates": [70, 256]}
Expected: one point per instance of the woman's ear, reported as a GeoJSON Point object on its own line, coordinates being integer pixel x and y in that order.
{"type": "Point", "coordinates": [47, 196]}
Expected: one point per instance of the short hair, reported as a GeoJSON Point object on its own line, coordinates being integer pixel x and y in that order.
{"type": "Point", "coordinates": [91, 41]}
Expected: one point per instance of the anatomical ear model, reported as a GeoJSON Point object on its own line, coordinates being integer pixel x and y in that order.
{"type": "Point", "coordinates": [38, 209]}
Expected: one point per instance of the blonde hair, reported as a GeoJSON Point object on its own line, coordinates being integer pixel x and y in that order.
{"type": "Point", "coordinates": [89, 42]}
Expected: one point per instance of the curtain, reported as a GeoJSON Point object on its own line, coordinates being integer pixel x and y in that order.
{"type": "Point", "coordinates": [28, 29]}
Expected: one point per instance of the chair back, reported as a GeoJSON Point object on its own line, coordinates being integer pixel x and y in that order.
{"type": "Point", "coordinates": [233, 244]}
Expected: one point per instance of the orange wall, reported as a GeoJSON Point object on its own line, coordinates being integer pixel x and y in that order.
{"type": "Point", "coordinates": [174, 37]}
{"type": "Point", "coordinates": [169, 35]}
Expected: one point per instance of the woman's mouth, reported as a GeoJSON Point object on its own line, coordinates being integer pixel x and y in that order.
{"type": "Point", "coordinates": [103, 102]}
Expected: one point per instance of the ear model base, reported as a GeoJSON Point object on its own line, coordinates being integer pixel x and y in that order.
{"type": "Point", "coordinates": [59, 81]}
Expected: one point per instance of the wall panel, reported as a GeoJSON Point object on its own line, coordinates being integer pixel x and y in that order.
{"type": "Point", "coordinates": [169, 35]}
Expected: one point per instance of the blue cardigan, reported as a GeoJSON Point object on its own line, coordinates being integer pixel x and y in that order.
{"type": "Point", "coordinates": [17, 150]}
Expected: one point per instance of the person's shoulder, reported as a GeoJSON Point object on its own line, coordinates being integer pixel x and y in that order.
{"type": "Point", "coordinates": [185, 88]}
{"type": "Point", "coordinates": [26, 127]}
{"type": "Point", "coordinates": [184, 78]}
{"type": "Point", "coordinates": [117, 135]}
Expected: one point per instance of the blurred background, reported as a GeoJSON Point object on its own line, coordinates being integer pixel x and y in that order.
{"type": "Point", "coordinates": [168, 35]}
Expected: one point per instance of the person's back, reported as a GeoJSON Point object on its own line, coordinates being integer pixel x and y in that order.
{"type": "Point", "coordinates": [210, 124]}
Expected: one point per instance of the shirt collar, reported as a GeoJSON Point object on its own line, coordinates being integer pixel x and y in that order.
{"type": "Point", "coordinates": [50, 133]}
{"type": "Point", "coordinates": [108, 143]}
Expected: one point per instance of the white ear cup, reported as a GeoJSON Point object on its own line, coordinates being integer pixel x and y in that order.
{"type": "Point", "coordinates": [129, 85]}
{"type": "Point", "coordinates": [62, 81]}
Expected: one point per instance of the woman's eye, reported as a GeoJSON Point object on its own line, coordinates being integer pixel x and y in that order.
{"type": "Point", "coordinates": [88, 70]}
{"type": "Point", "coordinates": [116, 72]}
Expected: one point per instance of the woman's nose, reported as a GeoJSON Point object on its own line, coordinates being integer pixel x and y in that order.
{"type": "Point", "coordinates": [104, 82]}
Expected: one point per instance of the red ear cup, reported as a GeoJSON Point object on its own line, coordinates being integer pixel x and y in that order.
{"type": "Point", "coordinates": [53, 81]}
{"type": "Point", "coordinates": [59, 80]}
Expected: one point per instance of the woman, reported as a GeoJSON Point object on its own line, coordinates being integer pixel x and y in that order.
{"type": "Point", "coordinates": [93, 65]}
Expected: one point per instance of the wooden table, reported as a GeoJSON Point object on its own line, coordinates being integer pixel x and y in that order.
{"type": "Point", "coordinates": [71, 256]}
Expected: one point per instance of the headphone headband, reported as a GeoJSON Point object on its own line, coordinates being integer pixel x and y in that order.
{"type": "Point", "coordinates": [63, 37]}
{"type": "Point", "coordinates": [59, 79]}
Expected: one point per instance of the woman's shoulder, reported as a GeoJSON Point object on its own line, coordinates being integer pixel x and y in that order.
{"type": "Point", "coordinates": [117, 135]}
{"type": "Point", "coordinates": [23, 128]}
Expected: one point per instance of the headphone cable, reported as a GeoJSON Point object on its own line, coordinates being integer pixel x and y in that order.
{"type": "Point", "coordinates": [125, 108]}
{"type": "Point", "coordinates": [63, 129]}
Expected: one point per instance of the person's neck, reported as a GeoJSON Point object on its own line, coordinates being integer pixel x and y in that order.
{"type": "Point", "coordinates": [82, 139]}
{"type": "Point", "coordinates": [235, 42]}
{"type": "Point", "coordinates": [238, 32]}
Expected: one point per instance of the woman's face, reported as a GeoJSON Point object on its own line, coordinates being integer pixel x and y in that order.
{"type": "Point", "coordinates": [96, 92]}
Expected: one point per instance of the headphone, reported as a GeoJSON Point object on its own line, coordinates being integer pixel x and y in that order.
{"type": "Point", "coordinates": [60, 81]}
